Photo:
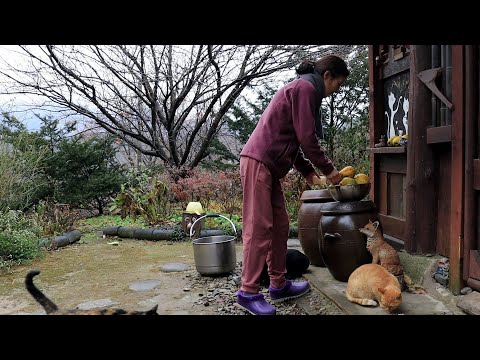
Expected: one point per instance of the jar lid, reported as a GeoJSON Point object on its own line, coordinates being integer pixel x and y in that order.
{"type": "Point", "coordinates": [337, 207]}
{"type": "Point", "coordinates": [321, 195]}
{"type": "Point", "coordinates": [194, 208]}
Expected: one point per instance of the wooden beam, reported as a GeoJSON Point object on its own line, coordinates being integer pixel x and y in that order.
{"type": "Point", "coordinates": [392, 164]}
{"type": "Point", "coordinates": [382, 199]}
{"type": "Point", "coordinates": [474, 266]}
{"type": "Point", "coordinates": [388, 150]}
{"type": "Point", "coordinates": [442, 208]}
{"type": "Point", "coordinates": [472, 168]}
{"type": "Point", "coordinates": [393, 226]}
{"type": "Point", "coordinates": [456, 194]}
{"type": "Point", "coordinates": [375, 111]}
{"type": "Point", "coordinates": [474, 284]}
{"type": "Point", "coordinates": [439, 134]}
{"type": "Point", "coordinates": [420, 219]}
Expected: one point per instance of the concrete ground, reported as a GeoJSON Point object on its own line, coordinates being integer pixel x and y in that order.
{"type": "Point", "coordinates": [436, 300]}
{"type": "Point", "coordinates": [131, 275]}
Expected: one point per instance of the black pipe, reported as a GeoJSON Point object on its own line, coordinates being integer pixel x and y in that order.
{"type": "Point", "coordinates": [152, 233]}
{"type": "Point", "coordinates": [448, 82]}
{"type": "Point", "coordinates": [435, 64]}
{"type": "Point", "coordinates": [66, 239]}
{"type": "Point", "coordinates": [442, 87]}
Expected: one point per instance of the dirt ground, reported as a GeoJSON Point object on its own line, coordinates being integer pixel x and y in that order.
{"type": "Point", "coordinates": [93, 270]}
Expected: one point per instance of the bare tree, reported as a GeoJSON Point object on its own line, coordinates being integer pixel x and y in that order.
{"type": "Point", "coordinates": [164, 101]}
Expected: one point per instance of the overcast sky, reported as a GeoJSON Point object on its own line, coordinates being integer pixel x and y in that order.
{"type": "Point", "coordinates": [20, 105]}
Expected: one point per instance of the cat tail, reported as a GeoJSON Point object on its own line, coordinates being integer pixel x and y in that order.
{"type": "Point", "coordinates": [47, 304]}
{"type": "Point", "coordinates": [394, 269]}
{"type": "Point", "coordinates": [408, 280]}
{"type": "Point", "coordinates": [364, 302]}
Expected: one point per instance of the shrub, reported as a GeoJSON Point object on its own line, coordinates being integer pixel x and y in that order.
{"type": "Point", "coordinates": [145, 194]}
{"type": "Point", "coordinates": [20, 239]}
{"type": "Point", "coordinates": [21, 175]}
{"type": "Point", "coordinates": [53, 218]}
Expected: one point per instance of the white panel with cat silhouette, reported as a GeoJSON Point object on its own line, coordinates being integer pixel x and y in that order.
{"type": "Point", "coordinates": [396, 105]}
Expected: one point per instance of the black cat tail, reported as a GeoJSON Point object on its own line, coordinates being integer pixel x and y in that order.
{"type": "Point", "coordinates": [153, 311]}
{"type": "Point", "coordinates": [47, 304]}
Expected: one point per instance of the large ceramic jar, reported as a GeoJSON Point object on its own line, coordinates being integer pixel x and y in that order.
{"type": "Point", "coordinates": [308, 218]}
{"type": "Point", "coordinates": [342, 246]}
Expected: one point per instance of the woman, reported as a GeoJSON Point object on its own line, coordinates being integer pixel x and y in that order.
{"type": "Point", "coordinates": [286, 135]}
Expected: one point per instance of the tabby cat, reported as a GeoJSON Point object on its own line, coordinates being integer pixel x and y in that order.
{"type": "Point", "coordinates": [52, 309]}
{"type": "Point", "coordinates": [372, 283]}
{"type": "Point", "coordinates": [382, 252]}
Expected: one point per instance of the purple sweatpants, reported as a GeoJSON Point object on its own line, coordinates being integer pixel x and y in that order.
{"type": "Point", "coordinates": [264, 226]}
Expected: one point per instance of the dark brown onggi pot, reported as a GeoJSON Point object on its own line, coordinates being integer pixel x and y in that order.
{"type": "Point", "coordinates": [308, 219]}
{"type": "Point", "coordinates": [342, 246]}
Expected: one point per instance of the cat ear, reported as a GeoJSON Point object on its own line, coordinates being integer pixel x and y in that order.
{"type": "Point", "coordinates": [382, 290]}
{"type": "Point", "coordinates": [376, 224]}
{"type": "Point", "coordinates": [369, 221]}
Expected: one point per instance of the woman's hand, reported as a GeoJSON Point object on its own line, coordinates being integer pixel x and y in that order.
{"type": "Point", "coordinates": [334, 177]}
{"type": "Point", "coordinates": [313, 179]}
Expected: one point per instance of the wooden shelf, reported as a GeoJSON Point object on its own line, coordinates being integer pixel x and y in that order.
{"type": "Point", "coordinates": [439, 134]}
{"type": "Point", "coordinates": [388, 150]}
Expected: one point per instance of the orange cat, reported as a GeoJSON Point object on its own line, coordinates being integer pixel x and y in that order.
{"type": "Point", "coordinates": [382, 252]}
{"type": "Point", "coordinates": [371, 283]}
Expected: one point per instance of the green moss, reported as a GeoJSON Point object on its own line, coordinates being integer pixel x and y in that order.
{"type": "Point", "coordinates": [99, 222]}
{"type": "Point", "coordinates": [416, 265]}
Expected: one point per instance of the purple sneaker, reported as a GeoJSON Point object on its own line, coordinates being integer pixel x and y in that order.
{"type": "Point", "coordinates": [255, 304]}
{"type": "Point", "coordinates": [290, 290]}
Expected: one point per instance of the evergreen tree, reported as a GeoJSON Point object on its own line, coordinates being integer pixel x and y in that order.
{"type": "Point", "coordinates": [240, 123]}
{"type": "Point", "coordinates": [345, 115]}
{"type": "Point", "coordinates": [86, 171]}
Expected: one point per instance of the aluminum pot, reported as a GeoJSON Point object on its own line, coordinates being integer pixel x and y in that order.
{"type": "Point", "coordinates": [214, 255]}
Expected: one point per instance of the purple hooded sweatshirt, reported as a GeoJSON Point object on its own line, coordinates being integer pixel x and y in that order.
{"type": "Point", "coordinates": [286, 126]}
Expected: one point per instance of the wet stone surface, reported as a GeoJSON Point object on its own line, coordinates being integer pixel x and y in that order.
{"type": "Point", "coordinates": [173, 267]}
{"type": "Point", "coordinates": [144, 285]}
{"type": "Point", "coordinates": [218, 293]}
{"type": "Point", "coordinates": [88, 305]}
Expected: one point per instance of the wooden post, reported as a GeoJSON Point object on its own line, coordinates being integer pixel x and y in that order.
{"type": "Point", "coordinates": [457, 173]}
{"type": "Point", "coordinates": [375, 110]}
{"type": "Point", "coordinates": [420, 199]}
{"type": "Point", "coordinates": [469, 198]}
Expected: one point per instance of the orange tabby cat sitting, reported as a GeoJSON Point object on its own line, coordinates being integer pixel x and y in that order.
{"type": "Point", "coordinates": [371, 283]}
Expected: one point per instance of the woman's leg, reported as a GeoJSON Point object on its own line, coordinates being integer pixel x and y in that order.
{"type": "Point", "coordinates": [257, 221]}
{"type": "Point", "coordinates": [277, 256]}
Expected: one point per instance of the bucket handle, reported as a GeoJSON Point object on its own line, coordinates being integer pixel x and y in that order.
{"type": "Point", "coordinates": [213, 215]}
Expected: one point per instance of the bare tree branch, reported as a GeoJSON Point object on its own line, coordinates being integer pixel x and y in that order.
{"type": "Point", "coordinates": [165, 101]}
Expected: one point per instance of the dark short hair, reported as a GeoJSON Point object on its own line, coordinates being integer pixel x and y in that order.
{"type": "Point", "coordinates": [335, 64]}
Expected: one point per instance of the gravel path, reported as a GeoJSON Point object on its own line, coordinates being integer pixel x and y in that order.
{"type": "Point", "coordinates": [219, 294]}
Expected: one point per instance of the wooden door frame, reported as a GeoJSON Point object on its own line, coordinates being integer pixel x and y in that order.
{"type": "Point", "coordinates": [458, 166]}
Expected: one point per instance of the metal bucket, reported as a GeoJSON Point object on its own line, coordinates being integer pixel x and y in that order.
{"type": "Point", "coordinates": [214, 255]}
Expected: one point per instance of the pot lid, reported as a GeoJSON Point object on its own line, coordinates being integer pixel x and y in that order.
{"type": "Point", "coordinates": [350, 207]}
{"type": "Point", "coordinates": [320, 195]}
